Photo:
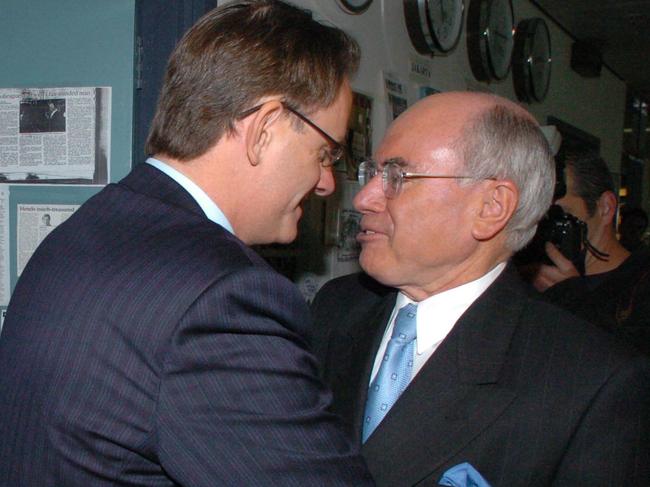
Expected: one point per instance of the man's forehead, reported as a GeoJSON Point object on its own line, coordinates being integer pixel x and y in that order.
{"type": "Point", "coordinates": [427, 127]}
{"type": "Point", "coordinates": [412, 153]}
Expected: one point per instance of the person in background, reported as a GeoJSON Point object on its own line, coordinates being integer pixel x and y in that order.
{"type": "Point", "coordinates": [614, 291]}
{"type": "Point", "coordinates": [440, 358]}
{"type": "Point", "coordinates": [54, 118]}
{"type": "Point", "coordinates": [146, 343]}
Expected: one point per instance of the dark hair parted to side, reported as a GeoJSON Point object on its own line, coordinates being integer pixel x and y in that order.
{"type": "Point", "coordinates": [235, 55]}
{"type": "Point", "coordinates": [591, 178]}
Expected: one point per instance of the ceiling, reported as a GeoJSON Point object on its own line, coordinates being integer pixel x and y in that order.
{"type": "Point", "coordinates": [620, 27]}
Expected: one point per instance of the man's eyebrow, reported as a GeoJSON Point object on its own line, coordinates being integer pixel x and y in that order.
{"type": "Point", "coordinates": [400, 161]}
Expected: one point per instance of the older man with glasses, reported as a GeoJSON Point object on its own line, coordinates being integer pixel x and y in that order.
{"type": "Point", "coordinates": [444, 365]}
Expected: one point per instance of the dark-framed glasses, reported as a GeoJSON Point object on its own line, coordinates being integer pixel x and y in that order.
{"type": "Point", "coordinates": [393, 175]}
{"type": "Point", "coordinates": [336, 149]}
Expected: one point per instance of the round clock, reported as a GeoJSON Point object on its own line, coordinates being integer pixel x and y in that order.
{"type": "Point", "coordinates": [355, 6]}
{"type": "Point", "coordinates": [434, 25]}
{"type": "Point", "coordinates": [490, 38]}
{"type": "Point", "coordinates": [531, 60]}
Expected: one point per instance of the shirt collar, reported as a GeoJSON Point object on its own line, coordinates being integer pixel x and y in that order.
{"type": "Point", "coordinates": [209, 207]}
{"type": "Point", "coordinates": [438, 314]}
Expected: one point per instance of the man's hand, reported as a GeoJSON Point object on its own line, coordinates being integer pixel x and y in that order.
{"type": "Point", "coordinates": [549, 275]}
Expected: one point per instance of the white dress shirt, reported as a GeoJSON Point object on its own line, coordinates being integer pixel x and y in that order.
{"type": "Point", "coordinates": [436, 316]}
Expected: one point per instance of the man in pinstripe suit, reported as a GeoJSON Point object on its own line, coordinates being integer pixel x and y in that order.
{"type": "Point", "coordinates": [146, 343]}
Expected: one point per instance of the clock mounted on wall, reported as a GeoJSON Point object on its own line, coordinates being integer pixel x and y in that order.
{"type": "Point", "coordinates": [531, 60]}
{"type": "Point", "coordinates": [490, 38]}
{"type": "Point", "coordinates": [434, 26]}
{"type": "Point", "coordinates": [355, 6]}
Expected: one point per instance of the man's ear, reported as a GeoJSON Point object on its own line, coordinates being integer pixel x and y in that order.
{"type": "Point", "coordinates": [259, 133]}
{"type": "Point", "coordinates": [606, 207]}
{"type": "Point", "coordinates": [499, 202]}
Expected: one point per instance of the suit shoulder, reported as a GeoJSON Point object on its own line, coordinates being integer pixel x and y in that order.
{"type": "Point", "coordinates": [358, 284]}
{"type": "Point", "coordinates": [560, 331]}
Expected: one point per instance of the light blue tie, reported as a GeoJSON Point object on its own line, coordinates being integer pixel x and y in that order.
{"type": "Point", "coordinates": [395, 370]}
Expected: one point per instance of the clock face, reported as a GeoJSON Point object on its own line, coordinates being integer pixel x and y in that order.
{"type": "Point", "coordinates": [434, 26]}
{"type": "Point", "coordinates": [355, 6]}
{"type": "Point", "coordinates": [539, 61]}
{"type": "Point", "coordinates": [490, 38]}
{"type": "Point", "coordinates": [500, 37]}
{"type": "Point", "coordinates": [446, 18]}
{"type": "Point", "coordinates": [531, 61]}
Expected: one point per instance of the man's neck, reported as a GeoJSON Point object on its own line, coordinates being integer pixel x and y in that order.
{"type": "Point", "coordinates": [609, 245]}
{"type": "Point", "coordinates": [457, 275]}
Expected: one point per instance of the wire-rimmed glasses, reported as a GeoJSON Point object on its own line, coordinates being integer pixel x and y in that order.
{"type": "Point", "coordinates": [393, 175]}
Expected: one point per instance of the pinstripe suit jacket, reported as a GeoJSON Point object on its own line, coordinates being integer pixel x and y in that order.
{"type": "Point", "coordinates": [527, 394]}
{"type": "Point", "coordinates": [146, 345]}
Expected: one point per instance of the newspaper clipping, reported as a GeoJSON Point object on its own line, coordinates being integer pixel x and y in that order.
{"type": "Point", "coordinates": [55, 135]}
{"type": "Point", "coordinates": [359, 138]}
{"type": "Point", "coordinates": [349, 226]}
{"type": "Point", "coordinates": [34, 223]}
{"type": "Point", "coordinates": [4, 245]}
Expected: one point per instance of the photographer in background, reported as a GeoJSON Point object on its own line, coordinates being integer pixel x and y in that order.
{"type": "Point", "coordinates": [614, 291]}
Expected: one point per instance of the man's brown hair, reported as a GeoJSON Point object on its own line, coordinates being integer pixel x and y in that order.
{"type": "Point", "coordinates": [235, 55]}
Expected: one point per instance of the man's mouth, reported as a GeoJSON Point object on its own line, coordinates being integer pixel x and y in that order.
{"type": "Point", "coordinates": [368, 235]}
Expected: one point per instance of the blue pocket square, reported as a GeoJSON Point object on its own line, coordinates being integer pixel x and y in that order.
{"type": "Point", "coordinates": [463, 475]}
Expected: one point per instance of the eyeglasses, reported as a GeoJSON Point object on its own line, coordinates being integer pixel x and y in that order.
{"type": "Point", "coordinates": [336, 149]}
{"type": "Point", "coordinates": [393, 176]}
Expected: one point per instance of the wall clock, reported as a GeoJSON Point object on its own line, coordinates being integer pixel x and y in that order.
{"type": "Point", "coordinates": [490, 38]}
{"type": "Point", "coordinates": [434, 25]}
{"type": "Point", "coordinates": [531, 60]}
{"type": "Point", "coordinates": [355, 6]}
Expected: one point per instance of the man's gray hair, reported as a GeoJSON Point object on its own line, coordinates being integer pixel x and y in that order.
{"type": "Point", "coordinates": [504, 144]}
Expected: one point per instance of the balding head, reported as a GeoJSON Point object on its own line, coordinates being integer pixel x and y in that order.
{"type": "Point", "coordinates": [493, 137]}
{"type": "Point", "coordinates": [456, 108]}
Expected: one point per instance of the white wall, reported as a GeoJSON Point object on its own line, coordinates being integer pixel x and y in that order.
{"type": "Point", "coordinates": [595, 106]}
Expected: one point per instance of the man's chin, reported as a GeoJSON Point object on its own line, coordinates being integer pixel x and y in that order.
{"type": "Point", "coordinates": [285, 240]}
{"type": "Point", "coordinates": [281, 236]}
{"type": "Point", "coordinates": [366, 262]}
{"type": "Point", "coordinates": [376, 266]}
{"type": "Point", "coordinates": [285, 236]}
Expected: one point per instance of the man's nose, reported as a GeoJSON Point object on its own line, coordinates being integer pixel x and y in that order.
{"type": "Point", "coordinates": [326, 183]}
{"type": "Point", "coordinates": [371, 197]}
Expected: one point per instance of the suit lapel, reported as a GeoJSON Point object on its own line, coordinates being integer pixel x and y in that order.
{"type": "Point", "coordinates": [455, 396]}
{"type": "Point", "coordinates": [355, 361]}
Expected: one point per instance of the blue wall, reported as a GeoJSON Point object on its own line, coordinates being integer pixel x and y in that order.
{"type": "Point", "coordinates": [60, 43]}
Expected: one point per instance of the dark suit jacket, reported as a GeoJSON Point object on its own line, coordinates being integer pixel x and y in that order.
{"type": "Point", "coordinates": [527, 394]}
{"type": "Point", "coordinates": [617, 301]}
{"type": "Point", "coordinates": [146, 345]}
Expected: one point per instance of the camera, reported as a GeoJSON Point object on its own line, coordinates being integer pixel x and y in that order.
{"type": "Point", "coordinates": [565, 231]}
{"type": "Point", "coordinates": [562, 229]}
